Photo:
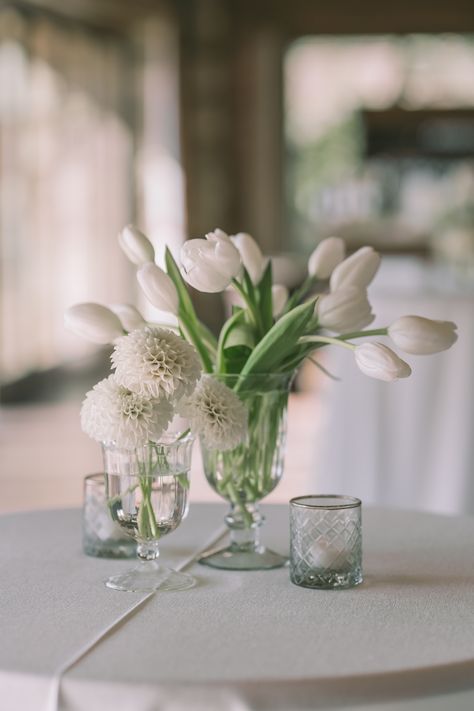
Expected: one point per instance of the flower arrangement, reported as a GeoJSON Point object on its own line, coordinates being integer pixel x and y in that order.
{"type": "Point", "coordinates": [218, 383]}
{"type": "Point", "coordinates": [269, 330]}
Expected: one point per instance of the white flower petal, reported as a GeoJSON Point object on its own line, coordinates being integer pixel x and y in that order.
{"type": "Point", "coordinates": [136, 246]}
{"type": "Point", "coordinates": [155, 362]}
{"type": "Point", "coordinates": [379, 361]}
{"type": "Point", "coordinates": [327, 255]}
{"type": "Point", "coordinates": [94, 322]}
{"type": "Point", "coordinates": [422, 336]}
{"type": "Point", "coordinates": [217, 414]}
{"type": "Point", "coordinates": [112, 413]}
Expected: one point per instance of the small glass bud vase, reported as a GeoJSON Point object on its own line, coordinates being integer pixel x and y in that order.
{"type": "Point", "coordinates": [325, 541]}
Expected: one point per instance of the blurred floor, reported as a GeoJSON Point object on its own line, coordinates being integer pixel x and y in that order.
{"type": "Point", "coordinates": [44, 456]}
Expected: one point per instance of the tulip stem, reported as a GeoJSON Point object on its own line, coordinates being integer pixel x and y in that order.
{"type": "Point", "coordinates": [254, 313]}
{"type": "Point", "coordinates": [326, 339]}
{"type": "Point", "coordinates": [363, 334]}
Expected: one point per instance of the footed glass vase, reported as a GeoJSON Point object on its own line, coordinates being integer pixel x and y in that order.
{"type": "Point", "coordinates": [248, 473]}
{"type": "Point", "coordinates": [147, 493]}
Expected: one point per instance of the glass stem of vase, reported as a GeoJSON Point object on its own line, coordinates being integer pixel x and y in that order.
{"type": "Point", "coordinates": [148, 551]}
{"type": "Point", "coordinates": [244, 526]}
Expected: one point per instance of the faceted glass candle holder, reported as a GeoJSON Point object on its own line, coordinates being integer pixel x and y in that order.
{"type": "Point", "coordinates": [325, 541]}
{"type": "Point", "coordinates": [102, 537]}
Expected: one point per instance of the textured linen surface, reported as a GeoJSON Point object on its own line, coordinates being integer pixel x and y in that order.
{"type": "Point", "coordinates": [241, 640]}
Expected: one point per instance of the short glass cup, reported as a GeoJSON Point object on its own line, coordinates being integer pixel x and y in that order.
{"type": "Point", "coordinates": [102, 537]}
{"type": "Point", "coordinates": [325, 541]}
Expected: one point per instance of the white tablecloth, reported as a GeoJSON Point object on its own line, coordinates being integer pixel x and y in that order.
{"type": "Point", "coordinates": [239, 641]}
{"type": "Point", "coordinates": [409, 443]}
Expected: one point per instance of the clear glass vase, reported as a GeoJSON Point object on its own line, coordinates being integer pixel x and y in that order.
{"type": "Point", "coordinates": [248, 473]}
{"type": "Point", "coordinates": [147, 495]}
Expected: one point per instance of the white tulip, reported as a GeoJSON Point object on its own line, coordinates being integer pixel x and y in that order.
{"type": "Point", "coordinates": [129, 316]}
{"type": "Point", "coordinates": [357, 270]}
{"type": "Point", "coordinates": [327, 255]}
{"type": "Point", "coordinates": [422, 336]}
{"type": "Point", "coordinates": [93, 322]}
{"type": "Point", "coordinates": [279, 298]}
{"type": "Point", "coordinates": [158, 288]}
{"type": "Point", "coordinates": [210, 264]}
{"type": "Point", "coordinates": [378, 361]}
{"type": "Point", "coordinates": [251, 255]}
{"type": "Point", "coordinates": [346, 309]}
{"type": "Point", "coordinates": [136, 246]}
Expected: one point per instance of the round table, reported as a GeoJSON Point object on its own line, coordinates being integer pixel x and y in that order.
{"type": "Point", "coordinates": [238, 640]}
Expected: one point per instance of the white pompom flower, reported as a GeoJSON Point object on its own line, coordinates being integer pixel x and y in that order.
{"type": "Point", "coordinates": [217, 414]}
{"type": "Point", "coordinates": [155, 362]}
{"type": "Point", "coordinates": [113, 414]}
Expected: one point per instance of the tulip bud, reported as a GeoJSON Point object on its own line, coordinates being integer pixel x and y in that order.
{"type": "Point", "coordinates": [327, 255]}
{"type": "Point", "coordinates": [130, 318]}
{"type": "Point", "coordinates": [346, 309]}
{"type": "Point", "coordinates": [357, 270]}
{"type": "Point", "coordinates": [93, 322]}
{"type": "Point", "coordinates": [210, 264]}
{"type": "Point", "coordinates": [279, 299]}
{"type": "Point", "coordinates": [422, 336]}
{"type": "Point", "coordinates": [136, 246]}
{"type": "Point", "coordinates": [251, 255]}
{"type": "Point", "coordinates": [158, 288]}
{"type": "Point", "coordinates": [378, 361]}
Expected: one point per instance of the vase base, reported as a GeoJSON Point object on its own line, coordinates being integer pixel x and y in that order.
{"type": "Point", "coordinates": [233, 558]}
{"type": "Point", "coordinates": [146, 578]}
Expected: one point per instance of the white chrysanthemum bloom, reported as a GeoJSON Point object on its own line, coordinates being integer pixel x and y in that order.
{"type": "Point", "coordinates": [112, 413]}
{"type": "Point", "coordinates": [216, 413]}
{"type": "Point", "coordinates": [156, 363]}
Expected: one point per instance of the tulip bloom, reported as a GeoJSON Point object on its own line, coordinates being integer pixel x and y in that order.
{"type": "Point", "coordinates": [422, 336]}
{"type": "Point", "coordinates": [130, 318]}
{"type": "Point", "coordinates": [158, 288]}
{"type": "Point", "coordinates": [136, 246]}
{"type": "Point", "coordinates": [327, 255]}
{"type": "Point", "coordinates": [378, 361]}
{"type": "Point", "coordinates": [279, 299]}
{"type": "Point", "coordinates": [210, 264]}
{"type": "Point", "coordinates": [93, 322]}
{"type": "Point", "coordinates": [357, 270]}
{"type": "Point", "coordinates": [346, 309]}
{"type": "Point", "coordinates": [251, 255]}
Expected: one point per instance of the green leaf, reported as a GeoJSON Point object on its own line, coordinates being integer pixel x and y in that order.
{"type": "Point", "coordinates": [192, 329]}
{"type": "Point", "coordinates": [281, 341]}
{"type": "Point", "coordinates": [264, 291]}
{"type": "Point", "coordinates": [185, 303]}
{"type": "Point", "coordinates": [242, 334]}
{"type": "Point", "coordinates": [236, 320]}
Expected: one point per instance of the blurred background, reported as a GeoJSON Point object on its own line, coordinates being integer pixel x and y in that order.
{"type": "Point", "coordinates": [291, 121]}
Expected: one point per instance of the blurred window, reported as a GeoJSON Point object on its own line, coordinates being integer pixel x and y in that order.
{"type": "Point", "coordinates": [65, 166]}
{"type": "Point", "coordinates": [380, 140]}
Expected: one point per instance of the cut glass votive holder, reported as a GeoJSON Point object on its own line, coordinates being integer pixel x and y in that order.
{"type": "Point", "coordinates": [325, 541]}
{"type": "Point", "coordinates": [102, 537]}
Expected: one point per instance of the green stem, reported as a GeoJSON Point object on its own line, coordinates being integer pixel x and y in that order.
{"type": "Point", "coordinates": [326, 339]}
{"type": "Point", "coordinates": [363, 334]}
{"type": "Point", "coordinates": [254, 312]}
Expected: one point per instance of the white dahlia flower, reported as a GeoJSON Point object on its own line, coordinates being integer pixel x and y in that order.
{"type": "Point", "coordinates": [156, 363]}
{"type": "Point", "coordinates": [216, 413]}
{"type": "Point", "coordinates": [112, 413]}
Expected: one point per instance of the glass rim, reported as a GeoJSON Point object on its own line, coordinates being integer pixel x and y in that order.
{"type": "Point", "coordinates": [352, 502]}
{"type": "Point", "coordinates": [94, 476]}
{"type": "Point", "coordinates": [190, 437]}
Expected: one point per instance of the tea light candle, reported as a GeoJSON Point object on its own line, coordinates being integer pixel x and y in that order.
{"type": "Point", "coordinates": [325, 555]}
